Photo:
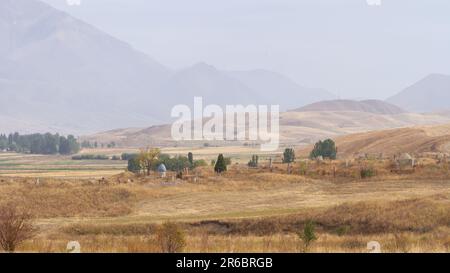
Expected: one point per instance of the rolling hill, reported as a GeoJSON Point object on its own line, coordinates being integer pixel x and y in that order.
{"type": "Point", "coordinates": [412, 140]}
{"type": "Point", "coordinates": [296, 128]}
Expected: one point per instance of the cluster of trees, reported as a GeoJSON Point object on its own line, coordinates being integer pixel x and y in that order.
{"type": "Point", "coordinates": [90, 157]}
{"type": "Point", "coordinates": [149, 159]}
{"type": "Point", "coordinates": [325, 149]}
{"type": "Point", "coordinates": [92, 145]}
{"type": "Point", "coordinates": [39, 143]}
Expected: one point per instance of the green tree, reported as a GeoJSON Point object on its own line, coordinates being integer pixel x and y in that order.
{"type": "Point", "coordinates": [253, 163]}
{"type": "Point", "coordinates": [134, 165]}
{"type": "Point", "coordinates": [221, 165]}
{"type": "Point", "coordinates": [148, 158]}
{"type": "Point", "coordinates": [191, 159]}
{"type": "Point", "coordinates": [326, 149]}
{"type": "Point", "coordinates": [307, 235]}
{"type": "Point", "coordinates": [288, 155]}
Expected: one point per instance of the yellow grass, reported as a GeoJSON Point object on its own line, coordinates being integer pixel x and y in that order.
{"type": "Point", "coordinates": [243, 210]}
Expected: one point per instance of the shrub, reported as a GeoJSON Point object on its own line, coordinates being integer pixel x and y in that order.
{"type": "Point", "coordinates": [221, 165]}
{"type": "Point", "coordinates": [126, 156]}
{"type": "Point", "coordinates": [191, 159]}
{"type": "Point", "coordinates": [176, 163]}
{"type": "Point", "coordinates": [308, 235]}
{"type": "Point", "coordinates": [170, 238]}
{"type": "Point", "coordinates": [200, 163]}
{"type": "Point", "coordinates": [90, 157]}
{"type": "Point", "coordinates": [367, 172]}
{"type": "Point", "coordinates": [15, 227]}
{"type": "Point", "coordinates": [342, 230]}
{"type": "Point", "coordinates": [303, 168]}
{"type": "Point", "coordinates": [134, 165]}
{"type": "Point", "coordinates": [253, 163]}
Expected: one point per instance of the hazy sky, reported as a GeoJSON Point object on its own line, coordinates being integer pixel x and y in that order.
{"type": "Point", "coordinates": [346, 46]}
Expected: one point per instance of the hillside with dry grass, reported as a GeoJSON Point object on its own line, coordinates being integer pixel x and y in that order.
{"type": "Point", "coordinates": [415, 140]}
{"type": "Point", "coordinates": [243, 210]}
{"type": "Point", "coordinates": [296, 127]}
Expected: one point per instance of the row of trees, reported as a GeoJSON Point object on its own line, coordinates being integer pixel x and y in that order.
{"type": "Point", "coordinates": [93, 145]}
{"type": "Point", "coordinates": [149, 159]}
{"type": "Point", "coordinates": [324, 149]}
{"type": "Point", "coordinates": [39, 143]}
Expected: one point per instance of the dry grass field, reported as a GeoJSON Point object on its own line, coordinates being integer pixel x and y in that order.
{"type": "Point", "coordinates": [243, 210]}
{"type": "Point", "coordinates": [404, 140]}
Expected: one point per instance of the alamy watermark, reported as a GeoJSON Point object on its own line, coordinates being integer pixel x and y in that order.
{"type": "Point", "coordinates": [258, 123]}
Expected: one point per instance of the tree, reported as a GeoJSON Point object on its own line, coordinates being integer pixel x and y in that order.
{"type": "Point", "coordinates": [308, 235]}
{"type": "Point", "coordinates": [40, 143]}
{"type": "Point", "coordinates": [253, 163]}
{"type": "Point", "coordinates": [170, 238]}
{"type": "Point", "coordinates": [15, 227]}
{"type": "Point", "coordinates": [148, 158]}
{"type": "Point", "coordinates": [288, 155]}
{"type": "Point", "coordinates": [134, 165]}
{"type": "Point", "coordinates": [221, 165]}
{"type": "Point", "coordinates": [191, 159]}
{"type": "Point", "coordinates": [127, 156]}
{"type": "Point", "coordinates": [325, 149]}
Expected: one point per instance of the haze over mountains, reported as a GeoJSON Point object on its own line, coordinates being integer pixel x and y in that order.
{"type": "Point", "coordinates": [428, 95]}
{"type": "Point", "coordinates": [63, 74]}
{"type": "Point", "coordinates": [296, 127]}
{"type": "Point", "coordinates": [369, 106]}
{"type": "Point", "coordinates": [60, 74]}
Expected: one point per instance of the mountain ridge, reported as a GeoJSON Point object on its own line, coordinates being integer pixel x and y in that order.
{"type": "Point", "coordinates": [430, 94]}
{"type": "Point", "coordinates": [64, 73]}
{"type": "Point", "coordinates": [370, 106]}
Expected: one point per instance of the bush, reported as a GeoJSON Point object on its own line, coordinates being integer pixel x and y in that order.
{"type": "Point", "coordinates": [367, 172]}
{"type": "Point", "coordinates": [134, 165]}
{"type": "Point", "coordinates": [221, 165]}
{"type": "Point", "coordinates": [342, 230]}
{"type": "Point", "coordinates": [308, 235]}
{"type": "Point", "coordinates": [90, 157]}
{"type": "Point", "coordinates": [191, 159]}
{"type": "Point", "coordinates": [126, 156]}
{"type": "Point", "coordinates": [176, 163]}
{"type": "Point", "coordinates": [326, 149]}
{"type": "Point", "coordinates": [170, 238]}
{"type": "Point", "coordinates": [200, 163]}
{"type": "Point", "coordinates": [253, 163]}
{"type": "Point", "coordinates": [15, 227]}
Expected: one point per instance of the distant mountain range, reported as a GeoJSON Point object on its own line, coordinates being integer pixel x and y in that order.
{"type": "Point", "coordinates": [302, 126]}
{"type": "Point", "coordinates": [369, 106]}
{"type": "Point", "coordinates": [430, 94]}
{"type": "Point", "coordinates": [60, 73]}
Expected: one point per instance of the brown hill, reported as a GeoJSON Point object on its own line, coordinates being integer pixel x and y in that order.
{"type": "Point", "coordinates": [404, 140]}
{"type": "Point", "coordinates": [296, 128]}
